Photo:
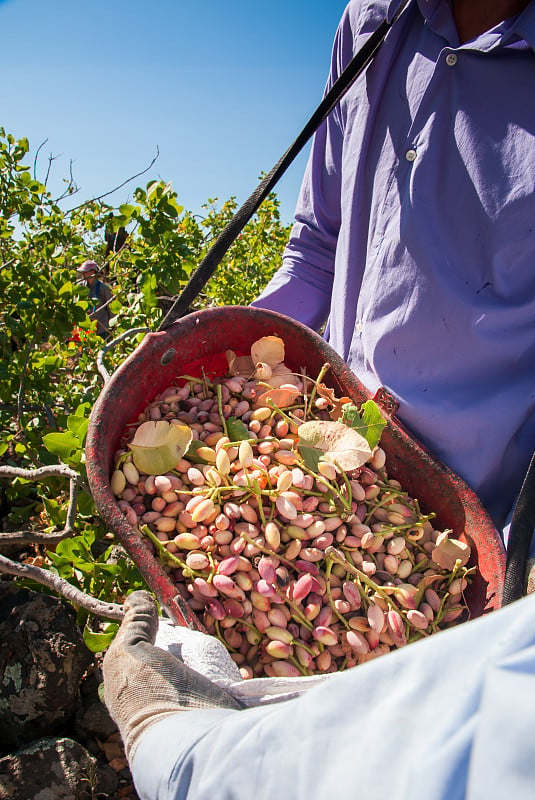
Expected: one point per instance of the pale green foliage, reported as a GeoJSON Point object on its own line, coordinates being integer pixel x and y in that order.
{"type": "Point", "coordinates": [47, 376]}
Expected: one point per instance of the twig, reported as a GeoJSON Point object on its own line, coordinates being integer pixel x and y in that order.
{"type": "Point", "coordinates": [20, 393]}
{"type": "Point", "coordinates": [106, 194]}
{"type": "Point", "coordinates": [51, 158]}
{"type": "Point", "coordinates": [61, 586]}
{"type": "Point", "coordinates": [36, 157]}
{"type": "Point", "coordinates": [53, 470]}
{"type": "Point", "coordinates": [72, 183]}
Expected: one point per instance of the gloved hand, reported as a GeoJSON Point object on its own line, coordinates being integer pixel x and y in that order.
{"type": "Point", "coordinates": [143, 684]}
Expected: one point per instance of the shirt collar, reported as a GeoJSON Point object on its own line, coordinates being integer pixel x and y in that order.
{"type": "Point", "coordinates": [525, 25]}
{"type": "Point", "coordinates": [437, 14]}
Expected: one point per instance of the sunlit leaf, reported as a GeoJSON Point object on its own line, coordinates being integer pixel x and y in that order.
{"type": "Point", "coordinates": [268, 350]}
{"type": "Point", "coordinates": [98, 642]}
{"type": "Point", "coordinates": [448, 551]}
{"type": "Point", "coordinates": [282, 398]}
{"type": "Point", "coordinates": [368, 421]}
{"type": "Point", "coordinates": [339, 444]}
{"type": "Point", "coordinates": [158, 446]}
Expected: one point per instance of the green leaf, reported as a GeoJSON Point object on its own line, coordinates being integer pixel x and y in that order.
{"type": "Point", "coordinates": [62, 445]}
{"type": "Point", "coordinates": [237, 430]}
{"type": "Point", "coordinates": [374, 421]}
{"type": "Point", "coordinates": [85, 505]}
{"type": "Point", "coordinates": [369, 421]}
{"type": "Point", "coordinates": [310, 455]}
{"type": "Point", "coordinates": [98, 642]}
{"type": "Point", "coordinates": [78, 426]}
{"type": "Point", "coordinates": [191, 452]}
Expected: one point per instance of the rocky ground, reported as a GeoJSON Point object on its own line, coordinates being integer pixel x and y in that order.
{"type": "Point", "coordinates": [57, 739]}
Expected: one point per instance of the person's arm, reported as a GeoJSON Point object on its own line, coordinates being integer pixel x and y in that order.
{"type": "Point", "coordinates": [450, 717]}
{"type": "Point", "coordinates": [302, 287]}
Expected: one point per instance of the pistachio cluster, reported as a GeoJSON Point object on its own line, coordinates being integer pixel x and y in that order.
{"type": "Point", "coordinates": [296, 570]}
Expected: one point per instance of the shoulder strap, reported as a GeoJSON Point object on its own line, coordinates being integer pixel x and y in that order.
{"type": "Point", "coordinates": [209, 264]}
{"type": "Point", "coordinates": [520, 535]}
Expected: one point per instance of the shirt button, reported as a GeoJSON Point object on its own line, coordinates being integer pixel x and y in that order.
{"type": "Point", "coordinates": [410, 155]}
{"type": "Point", "coordinates": [451, 59]}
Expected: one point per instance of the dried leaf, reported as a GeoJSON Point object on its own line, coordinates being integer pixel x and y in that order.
{"type": "Point", "coordinates": [268, 350]}
{"type": "Point", "coordinates": [281, 375]}
{"type": "Point", "coordinates": [282, 397]}
{"type": "Point", "coordinates": [158, 446]}
{"type": "Point", "coordinates": [239, 365]}
{"type": "Point", "coordinates": [448, 551]}
{"type": "Point", "coordinates": [339, 444]}
{"type": "Point", "coordinates": [337, 403]}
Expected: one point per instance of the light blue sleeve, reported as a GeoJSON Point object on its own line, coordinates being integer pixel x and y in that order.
{"type": "Point", "coordinates": [449, 718]}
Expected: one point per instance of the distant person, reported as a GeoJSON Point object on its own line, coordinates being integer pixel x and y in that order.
{"type": "Point", "coordinates": [101, 295]}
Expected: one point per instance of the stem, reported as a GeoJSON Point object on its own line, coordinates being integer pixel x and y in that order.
{"type": "Point", "coordinates": [323, 371]}
{"type": "Point", "coordinates": [163, 552]}
{"type": "Point", "coordinates": [330, 564]}
{"type": "Point", "coordinates": [220, 408]}
{"type": "Point", "coordinates": [267, 550]}
{"type": "Point", "coordinates": [331, 553]}
{"type": "Point", "coordinates": [332, 487]}
{"type": "Point", "coordinates": [293, 660]}
{"type": "Point", "coordinates": [222, 638]}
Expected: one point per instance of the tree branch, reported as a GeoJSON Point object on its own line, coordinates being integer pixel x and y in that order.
{"type": "Point", "coordinates": [53, 470]}
{"type": "Point", "coordinates": [33, 537]}
{"type": "Point", "coordinates": [36, 157]}
{"type": "Point", "coordinates": [61, 586]}
{"type": "Point", "coordinates": [120, 186]}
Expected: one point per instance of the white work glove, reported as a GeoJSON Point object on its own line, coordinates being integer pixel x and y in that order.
{"type": "Point", "coordinates": [143, 683]}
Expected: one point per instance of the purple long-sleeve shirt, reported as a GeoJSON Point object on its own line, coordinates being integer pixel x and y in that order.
{"type": "Point", "coordinates": [414, 236]}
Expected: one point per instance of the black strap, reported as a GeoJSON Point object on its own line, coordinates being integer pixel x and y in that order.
{"type": "Point", "coordinates": [209, 264]}
{"type": "Point", "coordinates": [520, 534]}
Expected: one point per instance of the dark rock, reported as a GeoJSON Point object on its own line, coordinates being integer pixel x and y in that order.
{"type": "Point", "coordinates": [42, 661]}
{"type": "Point", "coordinates": [54, 769]}
{"type": "Point", "coordinates": [93, 720]}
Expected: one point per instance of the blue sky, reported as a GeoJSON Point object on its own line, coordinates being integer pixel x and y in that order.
{"type": "Point", "coordinates": [220, 88]}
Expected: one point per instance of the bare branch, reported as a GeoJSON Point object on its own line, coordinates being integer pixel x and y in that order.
{"type": "Point", "coordinates": [33, 537]}
{"type": "Point", "coordinates": [120, 186]}
{"type": "Point", "coordinates": [36, 157]}
{"type": "Point", "coordinates": [51, 158]}
{"type": "Point", "coordinates": [20, 394]}
{"type": "Point", "coordinates": [52, 470]}
{"type": "Point", "coordinates": [72, 187]}
{"type": "Point", "coordinates": [63, 587]}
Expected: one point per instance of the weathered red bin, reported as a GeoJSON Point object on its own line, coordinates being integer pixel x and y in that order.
{"type": "Point", "coordinates": [201, 338]}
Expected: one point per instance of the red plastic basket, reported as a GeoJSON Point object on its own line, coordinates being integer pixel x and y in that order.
{"type": "Point", "coordinates": [201, 338]}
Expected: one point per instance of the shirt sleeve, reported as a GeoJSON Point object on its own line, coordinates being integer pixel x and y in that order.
{"type": "Point", "coordinates": [105, 293]}
{"type": "Point", "coordinates": [450, 717]}
{"type": "Point", "coordinates": [302, 287]}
